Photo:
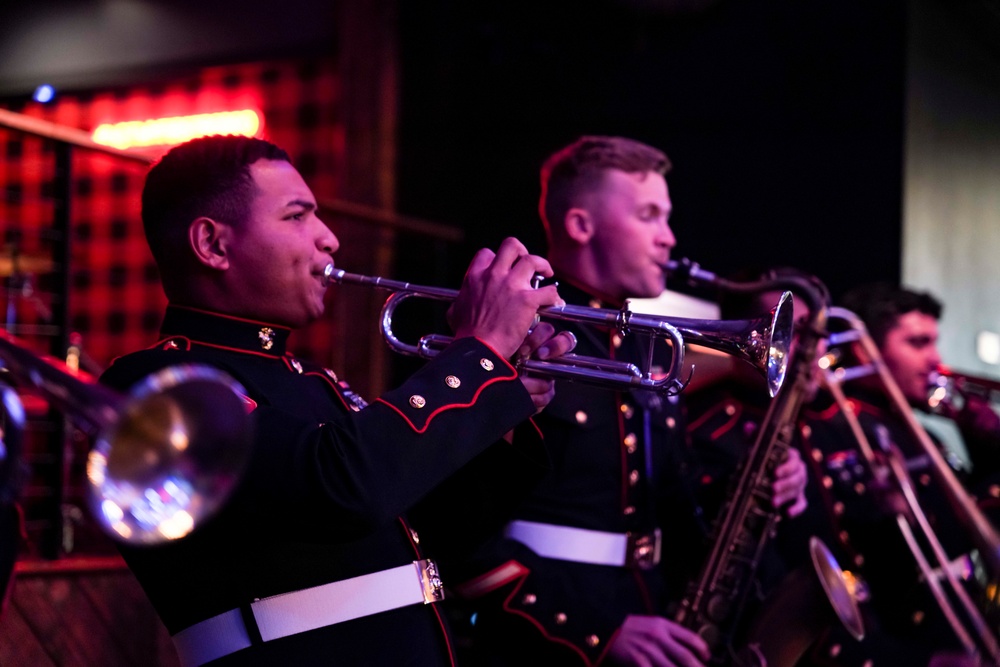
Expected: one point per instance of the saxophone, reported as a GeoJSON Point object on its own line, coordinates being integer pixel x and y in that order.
{"type": "Point", "coordinates": [714, 601]}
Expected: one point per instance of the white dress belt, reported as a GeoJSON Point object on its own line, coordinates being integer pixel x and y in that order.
{"type": "Point", "coordinates": [311, 608]}
{"type": "Point", "coordinates": [582, 545]}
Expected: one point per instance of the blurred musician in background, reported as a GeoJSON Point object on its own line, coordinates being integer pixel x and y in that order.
{"type": "Point", "coordinates": [312, 560]}
{"type": "Point", "coordinates": [904, 623]}
{"type": "Point", "coordinates": [585, 573]}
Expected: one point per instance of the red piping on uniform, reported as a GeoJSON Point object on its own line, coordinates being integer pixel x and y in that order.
{"type": "Point", "coordinates": [498, 355]}
{"type": "Point", "coordinates": [236, 349]}
{"type": "Point", "coordinates": [704, 418]}
{"type": "Point", "coordinates": [473, 588]}
{"type": "Point", "coordinates": [828, 413]}
{"type": "Point", "coordinates": [230, 317]}
{"type": "Point", "coordinates": [531, 420]}
{"type": "Point", "coordinates": [729, 424]}
{"type": "Point", "coordinates": [329, 381]}
{"type": "Point", "coordinates": [539, 626]}
{"type": "Point", "coordinates": [432, 415]}
{"type": "Point", "coordinates": [437, 614]}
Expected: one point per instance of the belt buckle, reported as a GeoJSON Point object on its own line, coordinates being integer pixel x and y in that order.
{"type": "Point", "coordinates": [430, 580]}
{"type": "Point", "coordinates": [644, 550]}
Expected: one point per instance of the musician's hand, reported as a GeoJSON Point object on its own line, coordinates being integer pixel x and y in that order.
{"type": "Point", "coordinates": [543, 343]}
{"type": "Point", "coordinates": [653, 641]}
{"type": "Point", "coordinates": [790, 484]}
{"type": "Point", "coordinates": [497, 302]}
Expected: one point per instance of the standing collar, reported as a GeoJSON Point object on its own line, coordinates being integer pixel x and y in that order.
{"type": "Point", "coordinates": [226, 331]}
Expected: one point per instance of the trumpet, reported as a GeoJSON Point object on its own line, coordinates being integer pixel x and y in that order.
{"type": "Point", "coordinates": [166, 456]}
{"type": "Point", "coordinates": [762, 342]}
{"type": "Point", "coordinates": [968, 622]}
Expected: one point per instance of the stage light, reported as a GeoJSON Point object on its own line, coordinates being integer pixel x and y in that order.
{"type": "Point", "coordinates": [44, 93]}
{"type": "Point", "coordinates": [176, 130]}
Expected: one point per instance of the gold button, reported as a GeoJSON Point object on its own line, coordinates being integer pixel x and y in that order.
{"type": "Point", "coordinates": [630, 441]}
{"type": "Point", "coordinates": [844, 536]}
{"type": "Point", "coordinates": [581, 417]}
{"type": "Point", "coordinates": [416, 538]}
{"type": "Point", "coordinates": [730, 409]}
{"type": "Point", "coordinates": [452, 381]}
{"type": "Point", "coordinates": [418, 401]}
{"type": "Point", "coordinates": [925, 479]}
{"type": "Point", "coordinates": [593, 640]}
{"type": "Point", "coordinates": [671, 422]}
{"type": "Point", "coordinates": [859, 488]}
{"type": "Point", "coordinates": [627, 410]}
{"type": "Point", "coordinates": [616, 341]}
{"type": "Point", "coordinates": [266, 337]}
{"type": "Point", "coordinates": [594, 303]}
{"type": "Point", "coordinates": [918, 617]}
{"type": "Point", "coordinates": [633, 477]}
{"type": "Point", "coordinates": [560, 618]}
{"type": "Point", "coordinates": [806, 431]}
{"type": "Point", "coordinates": [297, 366]}
{"type": "Point", "coordinates": [838, 508]}
{"type": "Point", "coordinates": [817, 455]}
{"type": "Point", "coordinates": [630, 510]}
{"type": "Point", "coordinates": [827, 482]}
{"type": "Point", "coordinates": [859, 560]}
{"type": "Point", "coordinates": [995, 491]}
{"type": "Point", "coordinates": [486, 364]}
{"type": "Point", "coordinates": [529, 599]}
{"type": "Point", "coordinates": [834, 650]}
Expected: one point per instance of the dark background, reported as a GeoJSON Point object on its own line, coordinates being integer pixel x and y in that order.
{"type": "Point", "coordinates": [784, 120]}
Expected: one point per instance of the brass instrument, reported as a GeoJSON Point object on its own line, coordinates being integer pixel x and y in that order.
{"type": "Point", "coordinates": [947, 382]}
{"type": "Point", "coordinates": [166, 456]}
{"type": "Point", "coordinates": [762, 342]}
{"type": "Point", "coordinates": [714, 601]}
{"type": "Point", "coordinates": [888, 466]}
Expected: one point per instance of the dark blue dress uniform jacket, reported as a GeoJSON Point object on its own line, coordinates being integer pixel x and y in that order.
{"type": "Point", "coordinates": [327, 486]}
{"type": "Point", "coordinates": [535, 610]}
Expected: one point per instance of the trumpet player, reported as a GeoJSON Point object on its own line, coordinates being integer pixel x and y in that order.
{"type": "Point", "coordinates": [313, 560]}
{"type": "Point", "coordinates": [580, 575]}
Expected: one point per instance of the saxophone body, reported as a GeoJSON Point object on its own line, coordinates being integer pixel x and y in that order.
{"type": "Point", "coordinates": [713, 603]}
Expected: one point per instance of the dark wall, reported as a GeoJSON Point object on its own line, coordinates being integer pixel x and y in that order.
{"type": "Point", "coordinates": [784, 120]}
{"type": "Point", "coordinates": [95, 44]}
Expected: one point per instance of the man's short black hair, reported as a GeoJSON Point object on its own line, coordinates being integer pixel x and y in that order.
{"type": "Point", "coordinates": [880, 306]}
{"type": "Point", "coordinates": [205, 177]}
{"type": "Point", "coordinates": [580, 166]}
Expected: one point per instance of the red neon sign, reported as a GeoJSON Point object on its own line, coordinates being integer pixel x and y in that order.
{"type": "Point", "coordinates": [176, 130]}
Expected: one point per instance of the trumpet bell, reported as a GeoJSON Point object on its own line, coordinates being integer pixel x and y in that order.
{"type": "Point", "coordinates": [779, 343]}
{"type": "Point", "coordinates": [170, 457]}
{"type": "Point", "coordinates": [764, 342]}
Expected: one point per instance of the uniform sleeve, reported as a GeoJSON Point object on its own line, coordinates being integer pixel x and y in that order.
{"type": "Point", "coordinates": [360, 470]}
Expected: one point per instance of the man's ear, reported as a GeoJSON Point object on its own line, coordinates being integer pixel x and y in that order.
{"type": "Point", "coordinates": [579, 225]}
{"type": "Point", "coordinates": [209, 241]}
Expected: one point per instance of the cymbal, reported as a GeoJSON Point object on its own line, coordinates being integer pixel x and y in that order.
{"type": "Point", "coordinates": [31, 264]}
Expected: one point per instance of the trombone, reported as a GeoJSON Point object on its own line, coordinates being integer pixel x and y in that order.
{"type": "Point", "coordinates": [890, 465]}
{"type": "Point", "coordinates": [762, 342]}
{"type": "Point", "coordinates": [166, 455]}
